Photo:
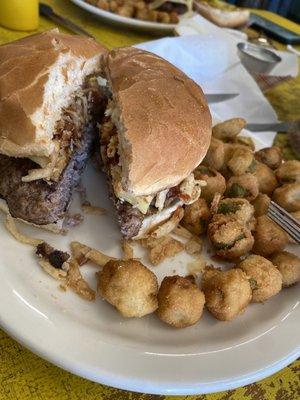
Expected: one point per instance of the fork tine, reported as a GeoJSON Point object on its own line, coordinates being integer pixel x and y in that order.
{"type": "Point", "coordinates": [285, 220]}
{"type": "Point", "coordinates": [291, 231]}
{"type": "Point", "coordinates": [284, 212]}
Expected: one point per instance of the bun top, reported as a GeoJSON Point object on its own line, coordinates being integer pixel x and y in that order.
{"type": "Point", "coordinates": [38, 75]}
{"type": "Point", "coordinates": [163, 120]}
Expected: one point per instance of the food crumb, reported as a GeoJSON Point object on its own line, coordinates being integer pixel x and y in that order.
{"type": "Point", "coordinates": [62, 288]}
{"type": "Point", "coordinates": [197, 266]}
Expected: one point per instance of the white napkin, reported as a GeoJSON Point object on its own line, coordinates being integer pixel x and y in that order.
{"type": "Point", "coordinates": [287, 66]}
{"type": "Point", "coordinates": [196, 25]}
{"type": "Point", "coordinates": [208, 61]}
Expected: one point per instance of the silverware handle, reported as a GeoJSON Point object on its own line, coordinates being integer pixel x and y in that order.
{"type": "Point", "coordinates": [276, 127]}
{"type": "Point", "coordinates": [48, 12]}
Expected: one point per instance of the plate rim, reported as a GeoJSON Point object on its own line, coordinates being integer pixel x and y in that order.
{"type": "Point", "coordinates": [145, 386]}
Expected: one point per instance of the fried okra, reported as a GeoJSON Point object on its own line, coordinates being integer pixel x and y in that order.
{"type": "Point", "coordinates": [243, 186]}
{"type": "Point", "coordinates": [180, 302]}
{"type": "Point", "coordinates": [129, 286]}
{"type": "Point", "coordinates": [215, 156]}
{"type": "Point", "coordinates": [261, 204]}
{"type": "Point", "coordinates": [289, 172]}
{"type": "Point", "coordinates": [265, 279]}
{"type": "Point", "coordinates": [215, 182]}
{"type": "Point", "coordinates": [288, 196]}
{"type": "Point", "coordinates": [228, 129]}
{"type": "Point", "coordinates": [196, 217]}
{"type": "Point", "coordinates": [227, 293]}
{"type": "Point", "coordinates": [288, 265]}
{"type": "Point", "coordinates": [241, 209]}
{"type": "Point", "coordinates": [271, 156]}
{"type": "Point", "coordinates": [245, 141]}
{"type": "Point", "coordinates": [230, 238]}
{"type": "Point", "coordinates": [241, 161]}
{"type": "Point", "coordinates": [269, 238]}
{"type": "Point", "coordinates": [266, 178]}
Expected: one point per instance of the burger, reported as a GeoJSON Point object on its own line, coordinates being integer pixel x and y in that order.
{"type": "Point", "coordinates": [62, 94]}
{"type": "Point", "coordinates": [156, 131]}
{"type": "Point", "coordinates": [50, 103]}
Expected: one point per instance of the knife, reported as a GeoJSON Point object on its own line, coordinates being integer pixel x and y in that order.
{"type": "Point", "coordinates": [48, 12]}
{"type": "Point", "coordinates": [218, 97]}
{"type": "Point", "coordinates": [292, 130]}
{"type": "Point", "coordinates": [275, 127]}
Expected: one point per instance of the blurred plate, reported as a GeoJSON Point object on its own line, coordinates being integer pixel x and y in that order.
{"type": "Point", "coordinates": [116, 19]}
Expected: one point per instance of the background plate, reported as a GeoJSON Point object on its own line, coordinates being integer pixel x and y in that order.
{"type": "Point", "coordinates": [94, 341]}
{"type": "Point", "coordinates": [116, 19]}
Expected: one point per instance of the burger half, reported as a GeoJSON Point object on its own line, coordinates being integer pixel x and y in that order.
{"type": "Point", "coordinates": [156, 131]}
{"type": "Point", "coordinates": [50, 104]}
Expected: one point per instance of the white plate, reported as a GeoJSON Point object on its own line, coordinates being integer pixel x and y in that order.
{"type": "Point", "coordinates": [121, 21]}
{"type": "Point", "coordinates": [94, 341]}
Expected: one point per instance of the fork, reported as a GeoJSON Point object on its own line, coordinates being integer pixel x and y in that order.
{"type": "Point", "coordinates": [285, 220]}
{"type": "Point", "coordinates": [48, 12]}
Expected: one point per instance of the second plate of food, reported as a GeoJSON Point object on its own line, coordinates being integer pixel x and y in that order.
{"type": "Point", "coordinates": [164, 22]}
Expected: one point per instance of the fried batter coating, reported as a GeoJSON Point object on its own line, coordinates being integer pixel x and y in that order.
{"type": "Point", "coordinates": [215, 156]}
{"type": "Point", "coordinates": [103, 4]}
{"type": "Point", "coordinates": [265, 279]}
{"type": "Point", "coordinates": [230, 238]}
{"type": "Point", "coordinates": [261, 204]}
{"type": "Point", "coordinates": [129, 286]}
{"type": "Point", "coordinates": [288, 196]}
{"type": "Point", "coordinates": [228, 129]}
{"type": "Point", "coordinates": [266, 178]}
{"type": "Point", "coordinates": [180, 302]}
{"type": "Point", "coordinates": [269, 238]}
{"type": "Point", "coordinates": [271, 156]}
{"type": "Point", "coordinates": [196, 217]}
{"type": "Point", "coordinates": [288, 265]}
{"type": "Point", "coordinates": [289, 172]}
{"type": "Point", "coordinates": [215, 182]}
{"type": "Point", "coordinates": [241, 161]}
{"type": "Point", "coordinates": [227, 293]}
{"type": "Point", "coordinates": [245, 141]}
{"type": "Point", "coordinates": [243, 186]}
{"type": "Point", "coordinates": [241, 209]}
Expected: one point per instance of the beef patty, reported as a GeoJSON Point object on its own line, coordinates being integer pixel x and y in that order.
{"type": "Point", "coordinates": [39, 202]}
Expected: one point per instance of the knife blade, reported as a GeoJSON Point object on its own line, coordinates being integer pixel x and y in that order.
{"type": "Point", "coordinates": [219, 97]}
{"type": "Point", "coordinates": [292, 129]}
{"type": "Point", "coordinates": [274, 127]}
{"type": "Point", "coordinates": [48, 12]}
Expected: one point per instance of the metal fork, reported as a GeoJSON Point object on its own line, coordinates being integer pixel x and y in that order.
{"type": "Point", "coordinates": [48, 12]}
{"type": "Point", "coordinates": [285, 220]}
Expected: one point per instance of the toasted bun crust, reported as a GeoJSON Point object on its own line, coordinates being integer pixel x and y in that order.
{"type": "Point", "coordinates": [223, 18]}
{"type": "Point", "coordinates": [38, 74]}
{"type": "Point", "coordinates": [164, 122]}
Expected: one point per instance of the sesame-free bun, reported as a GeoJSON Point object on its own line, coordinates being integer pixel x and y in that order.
{"type": "Point", "coordinates": [38, 75]}
{"type": "Point", "coordinates": [163, 121]}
